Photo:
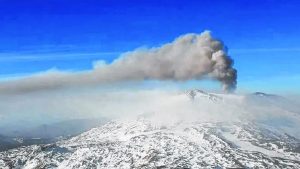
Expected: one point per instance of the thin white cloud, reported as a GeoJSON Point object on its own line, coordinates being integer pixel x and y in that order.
{"type": "Point", "coordinates": [11, 57]}
{"type": "Point", "coordinates": [247, 50]}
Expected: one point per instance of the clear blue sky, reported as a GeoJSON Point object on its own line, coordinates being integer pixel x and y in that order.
{"type": "Point", "coordinates": [263, 37]}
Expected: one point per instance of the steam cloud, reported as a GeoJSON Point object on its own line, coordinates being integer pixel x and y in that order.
{"type": "Point", "coordinates": [191, 56]}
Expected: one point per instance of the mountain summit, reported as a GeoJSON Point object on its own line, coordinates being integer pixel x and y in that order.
{"type": "Point", "coordinates": [143, 143]}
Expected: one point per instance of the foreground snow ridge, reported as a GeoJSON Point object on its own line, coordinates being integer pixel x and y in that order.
{"type": "Point", "coordinates": [142, 144]}
{"type": "Point", "coordinates": [146, 142]}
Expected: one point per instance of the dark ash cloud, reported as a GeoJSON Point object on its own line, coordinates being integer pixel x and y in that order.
{"type": "Point", "coordinates": [189, 57]}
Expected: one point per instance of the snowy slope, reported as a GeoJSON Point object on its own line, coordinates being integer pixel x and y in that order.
{"type": "Point", "coordinates": [140, 144]}
{"type": "Point", "coordinates": [143, 143]}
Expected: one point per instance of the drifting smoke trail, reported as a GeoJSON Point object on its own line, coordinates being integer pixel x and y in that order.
{"type": "Point", "coordinates": [191, 56]}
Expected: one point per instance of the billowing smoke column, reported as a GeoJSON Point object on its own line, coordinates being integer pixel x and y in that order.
{"type": "Point", "coordinates": [191, 56]}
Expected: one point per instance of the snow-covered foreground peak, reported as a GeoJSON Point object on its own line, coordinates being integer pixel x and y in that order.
{"type": "Point", "coordinates": [141, 144]}
{"type": "Point", "coordinates": [203, 130]}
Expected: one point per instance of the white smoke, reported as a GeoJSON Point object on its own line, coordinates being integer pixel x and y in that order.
{"type": "Point", "coordinates": [189, 57]}
{"type": "Point", "coordinates": [165, 107]}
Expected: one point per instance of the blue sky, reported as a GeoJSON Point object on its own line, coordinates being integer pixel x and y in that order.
{"type": "Point", "coordinates": [262, 36]}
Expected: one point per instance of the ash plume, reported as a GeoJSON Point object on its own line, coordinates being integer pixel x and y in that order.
{"type": "Point", "coordinates": [189, 57]}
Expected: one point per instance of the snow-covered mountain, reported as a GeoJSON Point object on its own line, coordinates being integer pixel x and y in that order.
{"type": "Point", "coordinates": [144, 143]}
{"type": "Point", "coordinates": [47, 133]}
{"type": "Point", "coordinates": [195, 93]}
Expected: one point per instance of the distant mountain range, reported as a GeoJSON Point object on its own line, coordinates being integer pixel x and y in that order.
{"type": "Point", "coordinates": [48, 133]}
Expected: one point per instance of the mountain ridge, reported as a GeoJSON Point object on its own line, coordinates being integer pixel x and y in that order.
{"type": "Point", "coordinates": [144, 143]}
